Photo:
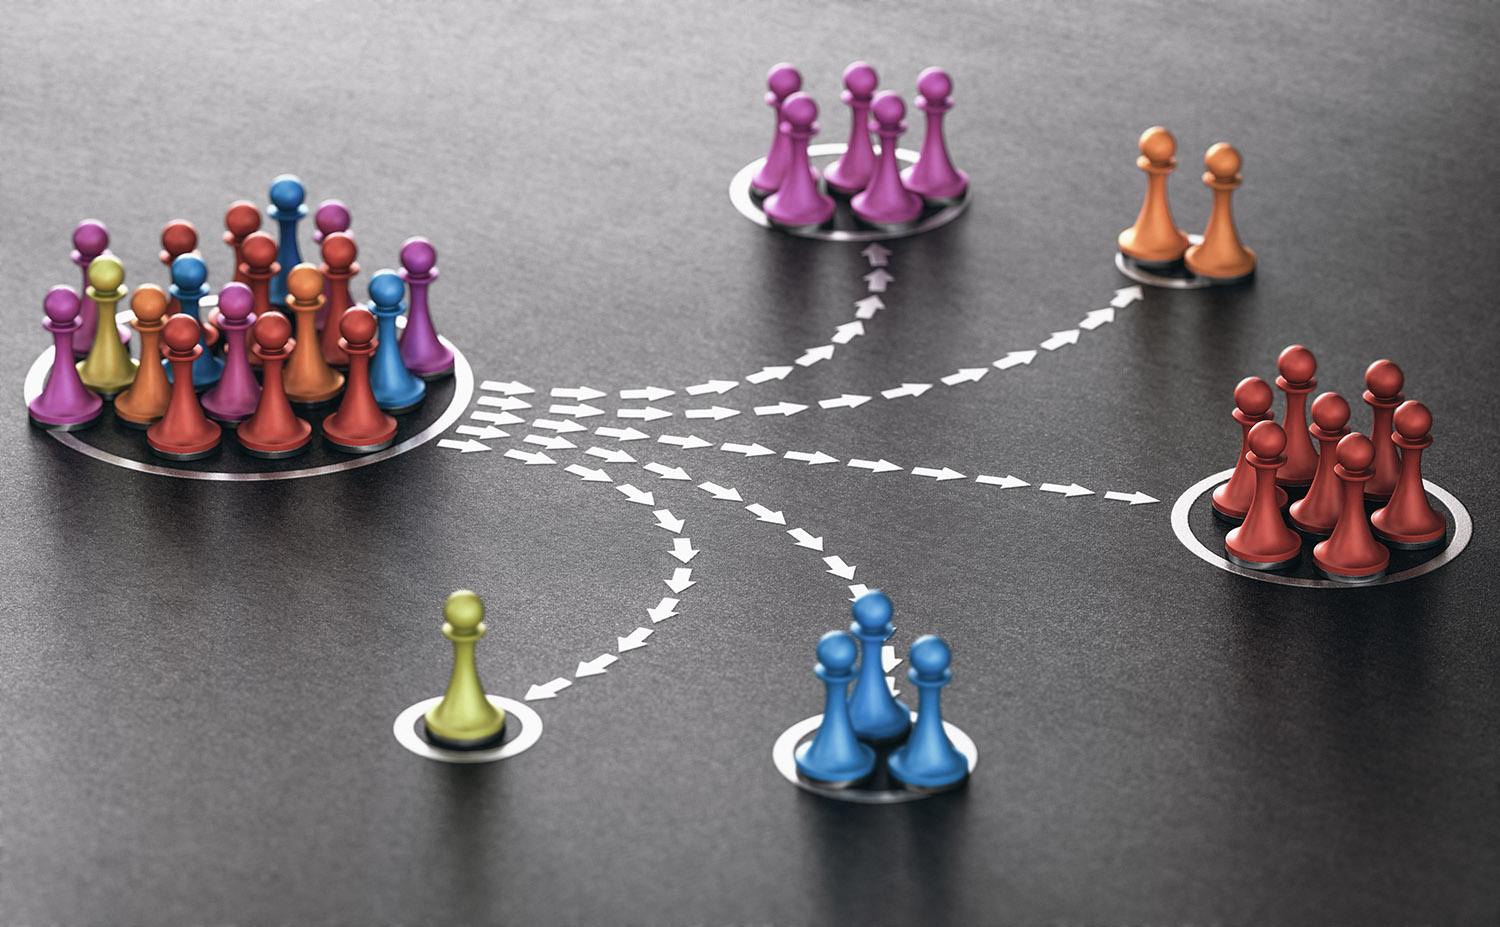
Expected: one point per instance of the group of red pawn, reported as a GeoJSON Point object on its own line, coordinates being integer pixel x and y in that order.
{"type": "Point", "coordinates": [1347, 471]}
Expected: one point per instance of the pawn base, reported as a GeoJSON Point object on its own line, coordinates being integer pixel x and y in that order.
{"type": "Point", "coordinates": [135, 424]}
{"type": "Point", "coordinates": [359, 448]}
{"type": "Point", "coordinates": [1413, 541]}
{"type": "Point", "coordinates": [1228, 281]}
{"type": "Point", "coordinates": [890, 227]}
{"type": "Point", "coordinates": [315, 401]}
{"type": "Point", "coordinates": [439, 373]}
{"type": "Point", "coordinates": [66, 426]}
{"type": "Point", "coordinates": [1346, 578]}
{"type": "Point", "coordinates": [275, 455]}
{"type": "Point", "coordinates": [184, 455]}
{"type": "Point", "coordinates": [958, 783]}
{"type": "Point", "coordinates": [449, 743]}
{"type": "Point", "coordinates": [1262, 565]}
{"type": "Point", "coordinates": [408, 407]}
{"type": "Point", "coordinates": [1314, 531]}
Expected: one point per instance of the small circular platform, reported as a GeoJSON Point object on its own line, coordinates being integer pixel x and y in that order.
{"type": "Point", "coordinates": [523, 728]}
{"type": "Point", "coordinates": [783, 755]}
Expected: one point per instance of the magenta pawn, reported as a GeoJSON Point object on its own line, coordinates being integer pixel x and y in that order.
{"type": "Point", "coordinates": [425, 356]}
{"type": "Point", "coordinates": [64, 404]}
{"type": "Point", "coordinates": [934, 177]}
{"type": "Point", "coordinates": [885, 203]}
{"type": "Point", "coordinates": [234, 398]}
{"type": "Point", "coordinates": [90, 239]}
{"type": "Point", "coordinates": [331, 216]}
{"type": "Point", "coordinates": [783, 81]}
{"type": "Point", "coordinates": [799, 204]}
{"type": "Point", "coordinates": [854, 168]}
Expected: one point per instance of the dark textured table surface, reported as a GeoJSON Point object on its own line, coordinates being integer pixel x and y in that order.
{"type": "Point", "coordinates": [199, 678]}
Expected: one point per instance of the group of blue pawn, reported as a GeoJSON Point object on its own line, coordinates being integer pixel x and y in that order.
{"type": "Point", "coordinates": [840, 754]}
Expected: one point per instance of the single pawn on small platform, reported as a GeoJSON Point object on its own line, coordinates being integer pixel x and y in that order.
{"type": "Point", "coordinates": [64, 404]}
{"type": "Point", "coordinates": [1221, 258]}
{"type": "Point", "coordinates": [1383, 382]}
{"type": "Point", "coordinates": [424, 354]}
{"type": "Point", "coordinates": [396, 390]}
{"type": "Point", "coordinates": [259, 268]}
{"type": "Point", "coordinates": [330, 216]}
{"type": "Point", "coordinates": [1155, 241]}
{"type": "Point", "coordinates": [874, 712]}
{"type": "Point", "coordinates": [854, 168]}
{"type": "Point", "coordinates": [308, 379]}
{"type": "Point", "coordinates": [237, 394]}
{"type": "Point", "coordinates": [359, 427]}
{"type": "Point", "coordinates": [183, 432]}
{"type": "Point", "coordinates": [241, 220]}
{"type": "Point", "coordinates": [934, 177]}
{"type": "Point", "coordinates": [783, 80]}
{"type": "Point", "coordinates": [928, 760]}
{"type": "Point", "coordinates": [1408, 522]}
{"type": "Point", "coordinates": [1295, 368]}
{"type": "Point", "coordinates": [1351, 554]}
{"type": "Point", "coordinates": [798, 203]}
{"type": "Point", "coordinates": [90, 239]}
{"type": "Point", "coordinates": [835, 757]}
{"type": "Point", "coordinates": [885, 203]}
{"type": "Point", "coordinates": [108, 368]}
{"type": "Point", "coordinates": [148, 397]}
{"type": "Point", "coordinates": [465, 719]}
{"type": "Point", "coordinates": [1317, 512]}
{"type": "Point", "coordinates": [1252, 404]}
{"type": "Point", "coordinates": [287, 209]}
{"type": "Point", "coordinates": [338, 267]}
{"type": "Point", "coordinates": [1263, 541]}
{"type": "Point", "coordinates": [274, 431]}
{"type": "Point", "coordinates": [189, 286]}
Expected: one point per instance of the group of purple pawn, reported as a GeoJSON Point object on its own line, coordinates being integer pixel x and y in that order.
{"type": "Point", "coordinates": [880, 194]}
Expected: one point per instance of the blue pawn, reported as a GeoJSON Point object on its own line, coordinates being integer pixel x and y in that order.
{"type": "Point", "coordinates": [286, 208]}
{"type": "Point", "coordinates": [928, 759]}
{"type": "Point", "coordinates": [876, 714]}
{"type": "Point", "coordinates": [396, 390]}
{"type": "Point", "coordinates": [189, 286]}
{"type": "Point", "coordinates": [835, 756]}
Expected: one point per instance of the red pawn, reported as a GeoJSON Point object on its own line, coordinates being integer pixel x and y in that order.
{"type": "Point", "coordinates": [1317, 512]}
{"type": "Point", "coordinates": [240, 221]}
{"type": "Point", "coordinates": [183, 433]}
{"type": "Point", "coordinates": [1408, 521]}
{"type": "Point", "coordinates": [1263, 541]}
{"type": "Point", "coordinates": [274, 431]}
{"type": "Point", "coordinates": [1383, 380]}
{"type": "Point", "coordinates": [338, 267]}
{"type": "Point", "coordinates": [1252, 402]}
{"type": "Point", "coordinates": [359, 427]}
{"type": "Point", "coordinates": [259, 267]}
{"type": "Point", "coordinates": [1296, 367]}
{"type": "Point", "coordinates": [1351, 554]}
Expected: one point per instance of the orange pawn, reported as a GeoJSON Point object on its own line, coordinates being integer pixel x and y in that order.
{"type": "Point", "coordinates": [147, 398]}
{"type": "Point", "coordinates": [183, 433]}
{"type": "Point", "coordinates": [1221, 258]}
{"type": "Point", "coordinates": [274, 431]}
{"type": "Point", "coordinates": [308, 378]}
{"type": "Point", "coordinates": [339, 252]}
{"type": "Point", "coordinates": [1407, 521]}
{"type": "Point", "coordinates": [1351, 554]}
{"type": "Point", "coordinates": [1155, 241]}
{"type": "Point", "coordinates": [359, 427]}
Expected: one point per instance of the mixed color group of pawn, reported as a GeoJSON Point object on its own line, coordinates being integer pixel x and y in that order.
{"type": "Point", "coordinates": [383, 373]}
{"type": "Point", "coordinates": [881, 195]}
{"type": "Point", "coordinates": [842, 752]}
{"type": "Point", "coordinates": [1347, 472]}
{"type": "Point", "coordinates": [1157, 244]}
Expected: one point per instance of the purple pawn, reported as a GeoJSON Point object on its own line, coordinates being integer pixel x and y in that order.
{"type": "Point", "coordinates": [799, 204]}
{"type": "Point", "coordinates": [234, 398]}
{"type": "Point", "coordinates": [90, 239]}
{"type": "Point", "coordinates": [424, 355]}
{"type": "Point", "coordinates": [332, 216]}
{"type": "Point", "coordinates": [783, 81]}
{"type": "Point", "coordinates": [852, 171]}
{"type": "Point", "coordinates": [64, 404]}
{"type": "Point", "coordinates": [885, 203]}
{"type": "Point", "coordinates": [933, 176]}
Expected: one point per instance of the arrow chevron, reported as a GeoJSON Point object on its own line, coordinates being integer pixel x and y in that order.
{"type": "Point", "coordinates": [464, 447]}
{"type": "Point", "coordinates": [496, 418]}
{"type": "Point", "coordinates": [648, 414]}
{"type": "Point", "coordinates": [635, 640]}
{"type": "Point", "coordinates": [596, 666]}
{"type": "Point", "coordinates": [1059, 339]}
{"type": "Point", "coordinates": [768, 373]}
{"type": "Point", "coordinates": [516, 453]}
{"type": "Point", "coordinates": [878, 279]}
{"type": "Point", "coordinates": [508, 403]}
{"type": "Point", "coordinates": [749, 450]}
{"type": "Point", "coordinates": [874, 466]}
{"type": "Point", "coordinates": [906, 389]}
{"type": "Point", "coordinates": [578, 411]}
{"type": "Point", "coordinates": [482, 432]}
{"type": "Point", "coordinates": [682, 549]}
{"type": "Point", "coordinates": [712, 386]}
{"type": "Point", "coordinates": [839, 568]}
{"type": "Point", "coordinates": [804, 539]}
{"type": "Point", "coordinates": [665, 472]}
{"type": "Point", "coordinates": [1134, 498]}
{"type": "Point", "coordinates": [664, 609]}
{"type": "Point", "coordinates": [1015, 357]}
{"type": "Point", "coordinates": [947, 473]}
{"type": "Point", "coordinates": [686, 443]}
{"type": "Point", "coordinates": [781, 408]}
{"type": "Point", "coordinates": [621, 434]}
{"type": "Point", "coordinates": [848, 332]}
{"type": "Point", "coordinates": [714, 412]}
{"type": "Point", "coordinates": [609, 456]}
{"type": "Point", "coordinates": [549, 443]}
{"type": "Point", "coordinates": [665, 519]}
{"type": "Point", "coordinates": [559, 427]}
{"type": "Point", "coordinates": [1004, 482]}
{"type": "Point", "coordinates": [1069, 491]}
{"type": "Point", "coordinates": [965, 375]}
{"type": "Point", "coordinates": [816, 457]}
{"type": "Point", "coordinates": [762, 513]}
{"type": "Point", "coordinates": [587, 474]}
{"type": "Point", "coordinates": [1125, 296]}
{"type": "Point", "coordinates": [846, 401]}
{"type": "Point", "coordinates": [682, 578]}
{"type": "Point", "coordinates": [547, 689]}
{"type": "Point", "coordinates": [580, 393]}
{"type": "Point", "coordinates": [822, 352]}
{"type": "Point", "coordinates": [649, 393]}
{"type": "Point", "coordinates": [512, 388]}
{"type": "Point", "coordinates": [635, 495]}
{"type": "Point", "coordinates": [1097, 318]}
{"type": "Point", "coordinates": [876, 253]}
{"type": "Point", "coordinates": [719, 492]}
{"type": "Point", "coordinates": [867, 307]}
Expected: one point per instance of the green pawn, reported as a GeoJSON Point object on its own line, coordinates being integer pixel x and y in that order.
{"type": "Point", "coordinates": [464, 719]}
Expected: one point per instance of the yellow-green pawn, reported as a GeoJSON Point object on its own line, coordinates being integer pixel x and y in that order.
{"type": "Point", "coordinates": [109, 368]}
{"type": "Point", "coordinates": [465, 719]}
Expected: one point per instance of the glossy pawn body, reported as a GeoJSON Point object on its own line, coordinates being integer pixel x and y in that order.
{"type": "Point", "coordinates": [928, 760]}
{"type": "Point", "coordinates": [180, 237]}
{"type": "Point", "coordinates": [330, 216]}
{"type": "Point", "coordinates": [259, 268]}
{"type": "Point", "coordinates": [237, 394]}
{"type": "Point", "coordinates": [835, 757]}
{"type": "Point", "coordinates": [1351, 554]}
{"type": "Point", "coordinates": [465, 719]}
{"type": "Point", "coordinates": [147, 398]}
{"type": "Point", "coordinates": [854, 168]}
{"type": "Point", "coordinates": [183, 433]}
{"type": "Point", "coordinates": [1263, 541]}
{"type": "Point", "coordinates": [108, 368]}
{"type": "Point", "coordinates": [933, 177]}
{"type": "Point", "coordinates": [1407, 521]}
{"type": "Point", "coordinates": [396, 390]}
{"type": "Point", "coordinates": [90, 239]}
{"type": "Point", "coordinates": [286, 209]}
{"type": "Point", "coordinates": [422, 351]}
{"type": "Point", "coordinates": [241, 220]}
{"type": "Point", "coordinates": [885, 204]}
{"type": "Point", "coordinates": [338, 267]}
{"type": "Point", "coordinates": [876, 715]}
{"type": "Point", "coordinates": [1221, 258]}
{"type": "Point", "coordinates": [308, 379]}
{"type": "Point", "coordinates": [189, 287]}
{"type": "Point", "coordinates": [1252, 404]}
{"type": "Point", "coordinates": [274, 431]}
{"type": "Point", "coordinates": [359, 426]}
{"type": "Point", "coordinates": [1294, 377]}
{"type": "Point", "coordinates": [798, 203]}
{"type": "Point", "coordinates": [1317, 512]}
{"type": "Point", "coordinates": [782, 81]}
{"type": "Point", "coordinates": [64, 404]}
{"type": "Point", "coordinates": [1383, 382]}
{"type": "Point", "coordinates": [1154, 241]}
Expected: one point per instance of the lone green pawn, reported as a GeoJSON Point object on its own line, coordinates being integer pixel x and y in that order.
{"type": "Point", "coordinates": [465, 719]}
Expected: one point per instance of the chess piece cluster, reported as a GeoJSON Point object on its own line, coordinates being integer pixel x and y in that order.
{"type": "Point", "coordinates": [284, 337]}
{"type": "Point", "coordinates": [796, 196]}
{"type": "Point", "coordinates": [842, 754]}
{"type": "Point", "coordinates": [1156, 243]}
{"type": "Point", "coordinates": [1348, 473]}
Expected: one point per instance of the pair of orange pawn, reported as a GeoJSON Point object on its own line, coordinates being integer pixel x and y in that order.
{"type": "Point", "coordinates": [1156, 242]}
